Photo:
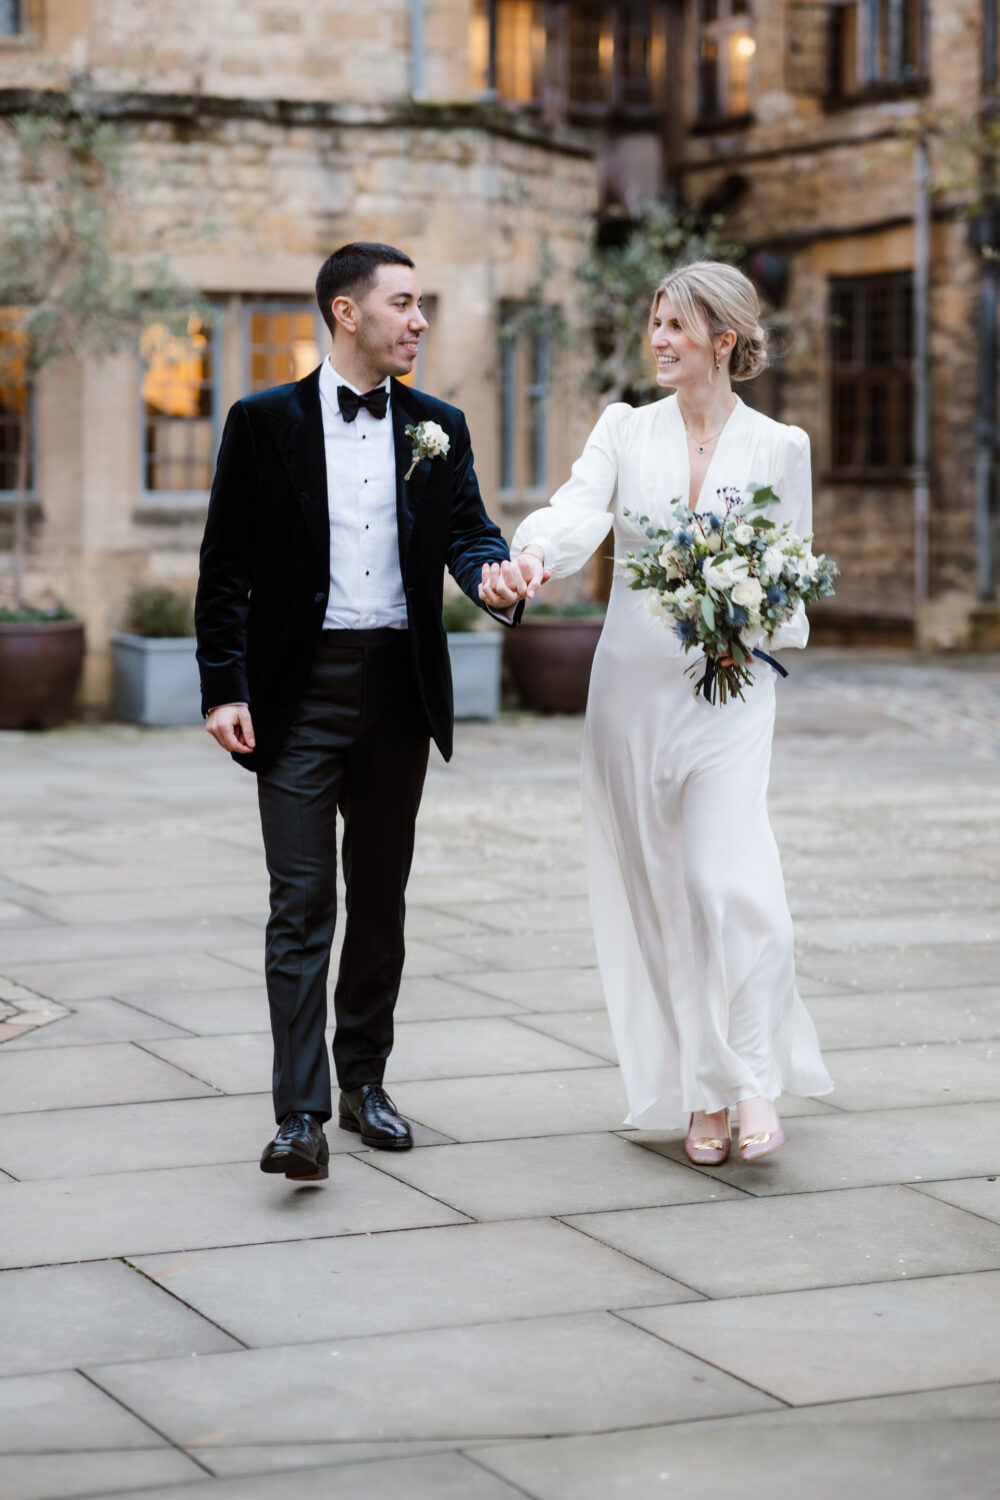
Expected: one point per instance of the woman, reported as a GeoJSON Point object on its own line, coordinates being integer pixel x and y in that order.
{"type": "Point", "coordinates": [693, 933]}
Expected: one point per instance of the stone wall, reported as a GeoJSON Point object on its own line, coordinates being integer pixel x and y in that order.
{"type": "Point", "coordinates": [249, 208]}
{"type": "Point", "coordinates": [831, 186]}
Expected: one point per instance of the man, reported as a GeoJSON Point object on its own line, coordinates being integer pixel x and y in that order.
{"type": "Point", "coordinates": [324, 669]}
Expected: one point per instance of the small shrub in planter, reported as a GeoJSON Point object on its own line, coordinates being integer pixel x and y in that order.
{"type": "Point", "coordinates": [155, 673]}
{"type": "Point", "coordinates": [551, 652]}
{"type": "Point", "coordinates": [476, 656]}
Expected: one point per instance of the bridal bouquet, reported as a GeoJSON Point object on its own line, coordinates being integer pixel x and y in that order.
{"type": "Point", "coordinates": [725, 582]}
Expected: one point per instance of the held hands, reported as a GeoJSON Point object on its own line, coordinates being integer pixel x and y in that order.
{"type": "Point", "coordinates": [503, 584]}
{"type": "Point", "coordinates": [231, 727]}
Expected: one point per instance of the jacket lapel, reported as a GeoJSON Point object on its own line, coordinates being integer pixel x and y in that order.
{"type": "Point", "coordinates": [405, 409]}
{"type": "Point", "coordinates": [298, 432]}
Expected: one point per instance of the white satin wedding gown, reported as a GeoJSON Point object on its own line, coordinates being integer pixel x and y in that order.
{"type": "Point", "coordinates": [691, 922]}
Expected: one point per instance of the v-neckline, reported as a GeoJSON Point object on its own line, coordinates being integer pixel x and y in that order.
{"type": "Point", "coordinates": [723, 433]}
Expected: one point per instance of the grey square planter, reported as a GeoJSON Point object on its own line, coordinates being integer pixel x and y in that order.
{"type": "Point", "coordinates": [475, 672]}
{"type": "Point", "coordinates": [155, 680]}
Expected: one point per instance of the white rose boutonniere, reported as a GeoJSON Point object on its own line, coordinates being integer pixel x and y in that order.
{"type": "Point", "coordinates": [429, 441]}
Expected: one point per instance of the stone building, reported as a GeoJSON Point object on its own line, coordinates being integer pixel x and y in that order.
{"type": "Point", "coordinates": [473, 131]}
{"type": "Point", "coordinates": [832, 137]}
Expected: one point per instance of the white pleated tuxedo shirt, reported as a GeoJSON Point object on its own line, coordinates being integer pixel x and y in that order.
{"type": "Point", "coordinates": [366, 584]}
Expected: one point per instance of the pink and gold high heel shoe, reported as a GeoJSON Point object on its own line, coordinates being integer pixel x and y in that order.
{"type": "Point", "coordinates": [761, 1143]}
{"type": "Point", "coordinates": [708, 1151]}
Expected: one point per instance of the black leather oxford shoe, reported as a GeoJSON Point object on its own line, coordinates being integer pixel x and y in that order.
{"type": "Point", "coordinates": [369, 1111]}
{"type": "Point", "coordinates": [299, 1150]}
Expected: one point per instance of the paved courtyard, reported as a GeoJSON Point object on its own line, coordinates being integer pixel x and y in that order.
{"type": "Point", "coordinates": [535, 1302]}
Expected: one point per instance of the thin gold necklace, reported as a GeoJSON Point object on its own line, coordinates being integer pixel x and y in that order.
{"type": "Point", "coordinates": [713, 435]}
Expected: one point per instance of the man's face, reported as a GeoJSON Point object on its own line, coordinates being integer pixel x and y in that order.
{"type": "Point", "coordinates": [390, 321]}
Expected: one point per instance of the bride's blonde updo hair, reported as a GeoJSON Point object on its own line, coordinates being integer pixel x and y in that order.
{"type": "Point", "coordinates": [709, 298]}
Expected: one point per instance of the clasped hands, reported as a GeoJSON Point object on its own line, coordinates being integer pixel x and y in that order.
{"type": "Point", "coordinates": [503, 584]}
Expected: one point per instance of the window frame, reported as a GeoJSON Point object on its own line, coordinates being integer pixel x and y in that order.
{"type": "Point", "coordinates": [525, 391]}
{"type": "Point", "coordinates": [899, 79]}
{"type": "Point", "coordinates": [718, 30]}
{"type": "Point", "coordinates": [554, 94]}
{"type": "Point", "coordinates": [861, 376]}
{"type": "Point", "coordinates": [279, 305]}
{"type": "Point", "coordinates": [191, 498]}
{"type": "Point", "coordinates": [9, 497]}
{"type": "Point", "coordinates": [18, 29]}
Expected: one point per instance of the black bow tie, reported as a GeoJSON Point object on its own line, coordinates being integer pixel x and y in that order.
{"type": "Point", "coordinates": [376, 401]}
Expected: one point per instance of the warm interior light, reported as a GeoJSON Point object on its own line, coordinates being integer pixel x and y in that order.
{"type": "Point", "coordinates": [746, 46]}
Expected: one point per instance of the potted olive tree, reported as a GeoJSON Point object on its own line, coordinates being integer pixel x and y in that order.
{"type": "Point", "coordinates": [68, 287]}
{"type": "Point", "coordinates": [476, 653]}
{"type": "Point", "coordinates": [154, 671]}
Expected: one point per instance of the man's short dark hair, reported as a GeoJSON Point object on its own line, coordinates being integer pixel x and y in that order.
{"type": "Point", "coordinates": [351, 271]}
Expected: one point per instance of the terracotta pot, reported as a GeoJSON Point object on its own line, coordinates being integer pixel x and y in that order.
{"type": "Point", "coordinates": [550, 659]}
{"type": "Point", "coordinates": [40, 666]}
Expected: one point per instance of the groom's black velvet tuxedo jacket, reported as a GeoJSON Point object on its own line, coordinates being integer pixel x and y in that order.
{"type": "Point", "coordinates": [265, 559]}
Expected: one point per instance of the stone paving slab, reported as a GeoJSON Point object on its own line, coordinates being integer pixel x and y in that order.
{"type": "Point", "coordinates": [757, 1245]}
{"type": "Point", "coordinates": [423, 1050]}
{"type": "Point", "coordinates": [59, 1317]}
{"type": "Point", "coordinates": [570, 988]}
{"type": "Point", "coordinates": [822, 1455]}
{"type": "Point", "coordinates": [979, 1195]}
{"type": "Point", "coordinates": [92, 940]}
{"type": "Point", "coordinates": [845, 1342]}
{"type": "Point", "coordinates": [959, 1072]}
{"type": "Point", "coordinates": [139, 1213]}
{"type": "Point", "coordinates": [106, 1073]}
{"type": "Point", "coordinates": [120, 977]}
{"type": "Point", "coordinates": [361, 1285]}
{"type": "Point", "coordinates": [916, 968]}
{"type": "Point", "coordinates": [483, 1109]}
{"type": "Point", "coordinates": [915, 1016]}
{"type": "Point", "coordinates": [65, 1411]}
{"type": "Point", "coordinates": [144, 1137]}
{"type": "Point", "coordinates": [585, 1372]}
{"type": "Point", "coordinates": [555, 1174]}
{"type": "Point", "coordinates": [448, 1476]}
{"type": "Point", "coordinates": [67, 1476]}
{"type": "Point", "coordinates": [98, 1020]}
{"type": "Point", "coordinates": [837, 1150]}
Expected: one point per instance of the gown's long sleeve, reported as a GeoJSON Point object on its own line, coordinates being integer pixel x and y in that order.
{"type": "Point", "coordinates": [795, 491]}
{"type": "Point", "coordinates": [578, 517]}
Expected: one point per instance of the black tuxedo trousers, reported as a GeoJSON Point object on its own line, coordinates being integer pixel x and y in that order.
{"type": "Point", "coordinates": [357, 746]}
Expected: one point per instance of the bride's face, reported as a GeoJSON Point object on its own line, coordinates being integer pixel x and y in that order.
{"type": "Point", "coordinates": [680, 362]}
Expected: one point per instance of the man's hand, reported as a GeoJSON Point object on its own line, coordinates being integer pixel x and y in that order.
{"type": "Point", "coordinates": [230, 726]}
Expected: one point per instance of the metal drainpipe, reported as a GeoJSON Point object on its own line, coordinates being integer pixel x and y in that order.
{"type": "Point", "coordinates": [417, 84]}
{"type": "Point", "coordinates": [921, 402]}
{"type": "Point", "coordinates": [985, 432]}
{"type": "Point", "coordinates": [986, 413]}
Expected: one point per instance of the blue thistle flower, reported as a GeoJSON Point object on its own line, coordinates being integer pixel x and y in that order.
{"type": "Point", "coordinates": [738, 615]}
{"type": "Point", "coordinates": [687, 632]}
{"type": "Point", "coordinates": [777, 597]}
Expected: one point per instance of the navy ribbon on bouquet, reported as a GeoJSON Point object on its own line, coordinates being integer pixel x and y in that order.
{"type": "Point", "coordinates": [763, 656]}
{"type": "Point", "coordinates": [708, 681]}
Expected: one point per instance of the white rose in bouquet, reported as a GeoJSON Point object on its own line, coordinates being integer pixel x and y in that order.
{"type": "Point", "coordinates": [743, 534]}
{"type": "Point", "coordinates": [748, 593]}
{"type": "Point", "coordinates": [685, 600]}
{"type": "Point", "coordinates": [713, 540]}
{"type": "Point", "coordinates": [668, 562]}
{"type": "Point", "coordinates": [724, 574]}
{"type": "Point", "coordinates": [771, 564]}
